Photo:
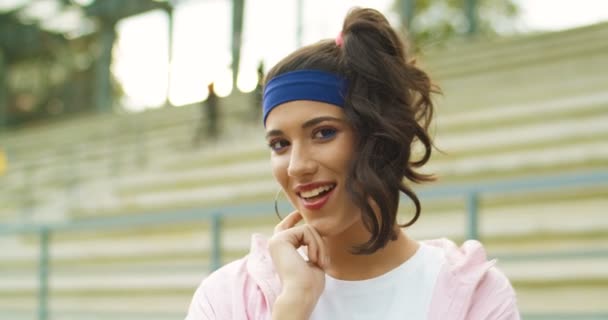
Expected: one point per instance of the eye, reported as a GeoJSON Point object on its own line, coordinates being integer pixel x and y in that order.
{"type": "Point", "coordinates": [277, 145]}
{"type": "Point", "coordinates": [325, 133]}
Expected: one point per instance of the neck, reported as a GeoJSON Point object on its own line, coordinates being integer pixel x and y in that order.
{"type": "Point", "coordinates": [345, 265]}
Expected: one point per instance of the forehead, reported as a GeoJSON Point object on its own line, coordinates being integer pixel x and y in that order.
{"type": "Point", "coordinates": [300, 111]}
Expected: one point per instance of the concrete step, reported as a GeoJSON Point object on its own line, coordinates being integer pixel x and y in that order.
{"type": "Point", "coordinates": [578, 301]}
{"type": "Point", "coordinates": [516, 112]}
{"type": "Point", "coordinates": [165, 306]}
{"type": "Point", "coordinates": [116, 281]}
{"type": "Point", "coordinates": [481, 93]}
{"type": "Point", "coordinates": [114, 127]}
{"type": "Point", "coordinates": [471, 57]}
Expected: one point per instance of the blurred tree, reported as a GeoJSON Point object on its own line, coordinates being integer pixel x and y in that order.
{"type": "Point", "coordinates": [433, 22]}
{"type": "Point", "coordinates": [46, 72]}
{"type": "Point", "coordinates": [35, 63]}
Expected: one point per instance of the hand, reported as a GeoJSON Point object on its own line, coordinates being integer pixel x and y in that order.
{"type": "Point", "coordinates": [303, 281]}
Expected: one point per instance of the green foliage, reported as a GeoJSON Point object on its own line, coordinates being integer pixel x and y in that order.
{"type": "Point", "coordinates": [439, 21]}
{"type": "Point", "coordinates": [53, 73]}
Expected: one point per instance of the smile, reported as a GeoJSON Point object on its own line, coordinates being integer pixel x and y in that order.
{"type": "Point", "coordinates": [316, 198]}
{"type": "Point", "coordinates": [316, 192]}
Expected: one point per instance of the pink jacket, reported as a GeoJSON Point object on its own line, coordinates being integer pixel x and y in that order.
{"type": "Point", "coordinates": [469, 287]}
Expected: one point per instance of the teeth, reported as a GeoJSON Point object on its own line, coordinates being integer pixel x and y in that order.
{"type": "Point", "coordinates": [315, 192]}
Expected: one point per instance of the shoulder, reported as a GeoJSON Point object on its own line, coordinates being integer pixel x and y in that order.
{"type": "Point", "coordinates": [213, 297]}
{"type": "Point", "coordinates": [242, 289]}
{"type": "Point", "coordinates": [494, 297]}
{"type": "Point", "coordinates": [475, 285]}
{"type": "Point", "coordinates": [227, 274]}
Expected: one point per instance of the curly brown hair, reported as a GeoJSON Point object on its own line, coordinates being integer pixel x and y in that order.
{"type": "Point", "coordinates": [388, 105]}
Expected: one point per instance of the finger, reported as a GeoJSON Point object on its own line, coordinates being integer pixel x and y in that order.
{"type": "Point", "coordinates": [322, 257]}
{"type": "Point", "coordinates": [284, 245]}
{"type": "Point", "coordinates": [294, 238]}
{"type": "Point", "coordinates": [288, 222]}
{"type": "Point", "coordinates": [311, 243]}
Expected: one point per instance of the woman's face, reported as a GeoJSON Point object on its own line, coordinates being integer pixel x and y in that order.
{"type": "Point", "coordinates": [311, 145]}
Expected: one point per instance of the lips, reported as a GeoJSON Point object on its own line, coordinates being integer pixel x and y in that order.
{"type": "Point", "coordinates": [313, 196]}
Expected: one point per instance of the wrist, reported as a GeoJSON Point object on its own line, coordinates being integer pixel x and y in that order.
{"type": "Point", "coordinates": [294, 304]}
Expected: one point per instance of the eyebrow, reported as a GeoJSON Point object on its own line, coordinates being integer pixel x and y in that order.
{"type": "Point", "coordinates": [310, 123]}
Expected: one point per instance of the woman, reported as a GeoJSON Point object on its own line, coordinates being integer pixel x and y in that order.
{"type": "Point", "coordinates": [341, 117]}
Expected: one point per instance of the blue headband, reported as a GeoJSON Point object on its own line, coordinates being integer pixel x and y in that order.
{"type": "Point", "coordinates": [312, 85]}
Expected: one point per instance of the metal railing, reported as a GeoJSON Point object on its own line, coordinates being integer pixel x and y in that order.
{"type": "Point", "coordinates": [470, 191]}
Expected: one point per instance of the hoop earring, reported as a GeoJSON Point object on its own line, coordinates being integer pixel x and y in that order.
{"type": "Point", "coordinates": [276, 205]}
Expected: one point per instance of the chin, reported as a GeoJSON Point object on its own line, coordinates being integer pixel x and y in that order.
{"type": "Point", "coordinates": [326, 227]}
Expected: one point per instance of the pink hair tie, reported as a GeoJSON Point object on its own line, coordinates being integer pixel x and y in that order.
{"type": "Point", "coordinates": [339, 40]}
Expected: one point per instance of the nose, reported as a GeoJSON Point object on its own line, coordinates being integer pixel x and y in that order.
{"type": "Point", "coordinates": [301, 162]}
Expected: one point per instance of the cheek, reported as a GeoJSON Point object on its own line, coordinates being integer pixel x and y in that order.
{"type": "Point", "coordinates": [279, 169]}
{"type": "Point", "coordinates": [340, 159]}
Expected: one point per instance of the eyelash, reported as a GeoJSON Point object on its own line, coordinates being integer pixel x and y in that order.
{"type": "Point", "coordinates": [284, 143]}
{"type": "Point", "coordinates": [273, 142]}
{"type": "Point", "coordinates": [332, 133]}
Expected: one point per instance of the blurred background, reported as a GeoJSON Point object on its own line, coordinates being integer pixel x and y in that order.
{"type": "Point", "coordinates": [133, 163]}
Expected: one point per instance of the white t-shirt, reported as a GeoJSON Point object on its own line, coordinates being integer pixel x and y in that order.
{"type": "Point", "coordinates": [402, 293]}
